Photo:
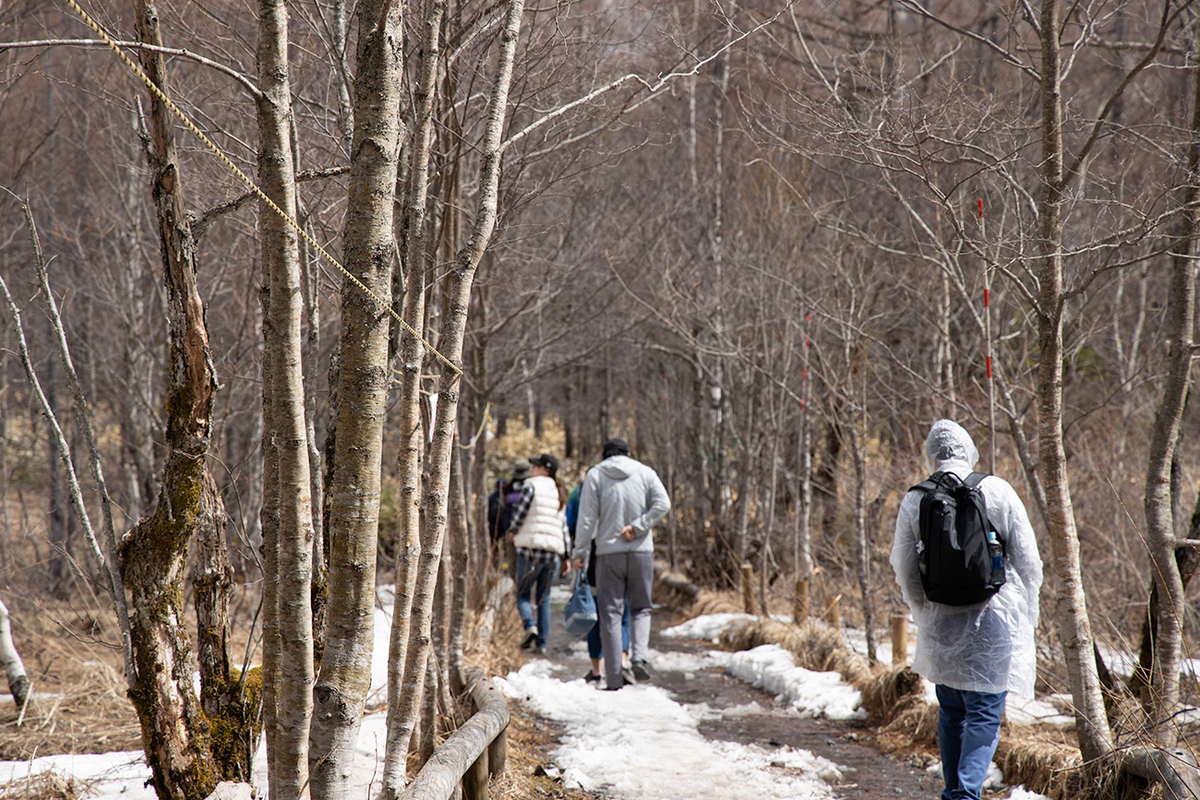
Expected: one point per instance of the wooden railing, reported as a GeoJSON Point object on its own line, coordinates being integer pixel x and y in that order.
{"type": "Point", "coordinates": [473, 753]}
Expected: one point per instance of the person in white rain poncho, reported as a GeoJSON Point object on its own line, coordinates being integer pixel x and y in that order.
{"type": "Point", "coordinates": [974, 654]}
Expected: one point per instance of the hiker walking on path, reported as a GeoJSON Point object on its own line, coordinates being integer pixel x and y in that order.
{"type": "Point", "coordinates": [501, 504]}
{"type": "Point", "coordinates": [975, 643]}
{"type": "Point", "coordinates": [538, 530]}
{"type": "Point", "coordinates": [594, 645]}
{"type": "Point", "coordinates": [621, 501]}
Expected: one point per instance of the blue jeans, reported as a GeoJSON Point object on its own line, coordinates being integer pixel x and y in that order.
{"type": "Point", "coordinates": [535, 578]}
{"type": "Point", "coordinates": [968, 731]}
{"type": "Point", "coordinates": [595, 648]}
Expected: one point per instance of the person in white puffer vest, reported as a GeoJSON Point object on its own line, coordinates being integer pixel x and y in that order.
{"type": "Point", "coordinates": [538, 530]}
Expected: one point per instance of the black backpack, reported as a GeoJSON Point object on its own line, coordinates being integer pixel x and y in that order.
{"type": "Point", "coordinates": [962, 556]}
{"type": "Point", "coordinates": [498, 512]}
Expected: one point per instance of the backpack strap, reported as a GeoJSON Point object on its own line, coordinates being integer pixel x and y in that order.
{"type": "Point", "coordinates": [924, 487]}
{"type": "Point", "coordinates": [934, 481]}
{"type": "Point", "coordinates": [973, 480]}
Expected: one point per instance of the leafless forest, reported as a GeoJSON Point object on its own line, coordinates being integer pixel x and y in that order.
{"type": "Point", "coordinates": [767, 243]}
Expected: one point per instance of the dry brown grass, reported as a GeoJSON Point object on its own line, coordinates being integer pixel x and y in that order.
{"type": "Point", "coordinates": [1041, 759]}
{"type": "Point", "coordinates": [42, 786]}
{"type": "Point", "coordinates": [79, 703]}
{"type": "Point", "coordinates": [710, 603]}
{"type": "Point", "coordinates": [85, 712]}
{"type": "Point", "coordinates": [814, 645]}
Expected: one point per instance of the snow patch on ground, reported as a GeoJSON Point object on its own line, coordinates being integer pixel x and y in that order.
{"type": "Point", "coordinates": [639, 743]}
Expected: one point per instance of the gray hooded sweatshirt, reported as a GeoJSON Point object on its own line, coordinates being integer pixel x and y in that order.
{"type": "Point", "coordinates": [619, 491]}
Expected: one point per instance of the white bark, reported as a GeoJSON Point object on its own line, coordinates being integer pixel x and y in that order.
{"type": "Point", "coordinates": [14, 669]}
{"type": "Point", "coordinates": [362, 388]}
{"type": "Point", "coordinates": [446, 422]}
{"type": "Point", "coordinates": [286, 435]}
{"type": "Point", "coordinates": [402, 674]}
{"type": "Point", "coordinates": [1160, 521]}
{"type": "Point", "coordinates": [1095, 736]}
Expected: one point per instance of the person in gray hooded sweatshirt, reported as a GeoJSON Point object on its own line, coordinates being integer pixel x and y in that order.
{"type": "Point", "coordinates": [621, 500]}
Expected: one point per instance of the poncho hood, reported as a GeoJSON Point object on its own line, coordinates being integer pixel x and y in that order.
{"type": "Point", "coordinates": [949, 442]}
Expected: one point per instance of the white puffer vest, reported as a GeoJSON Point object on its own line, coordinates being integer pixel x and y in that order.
{"type": "Point", "coordinates": [542, 528]}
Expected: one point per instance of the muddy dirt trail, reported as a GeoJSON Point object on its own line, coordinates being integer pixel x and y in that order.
{"type": "Point", "coordinates": [869, 774]}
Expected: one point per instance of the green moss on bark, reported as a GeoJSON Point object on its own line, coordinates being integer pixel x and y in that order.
{"type": "Point", "coordinates": [237, 726]}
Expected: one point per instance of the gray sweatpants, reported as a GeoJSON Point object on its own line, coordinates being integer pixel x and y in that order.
{"type": "Point", "coordinates": [621, 575]}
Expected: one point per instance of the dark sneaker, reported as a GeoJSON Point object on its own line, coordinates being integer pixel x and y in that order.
{"type": "Point", "coordinates": [641, 671]}
{"type": "Point", "coordinates": [628, 677]}
{"type": "Point", "coordinates": [592, 678]}
{"type": "Point", "coordinates": [530, 637]}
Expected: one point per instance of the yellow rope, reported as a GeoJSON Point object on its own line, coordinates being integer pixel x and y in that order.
{"type": "Point", "coordinates": [250, 183]}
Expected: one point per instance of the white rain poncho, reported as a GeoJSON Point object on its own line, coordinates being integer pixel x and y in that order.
{"type": "Point", "coordinates": [987, 647]}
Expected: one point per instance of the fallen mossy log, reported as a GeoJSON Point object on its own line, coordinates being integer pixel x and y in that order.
{"type": "Point", "coordinates": [1174, 770]}
{"type": "Point", "coordinates": [676, 591]}
{"type": "Point", "coordinates": [472, 753]}
{"type": "Point", "coordinates": [676, 583]}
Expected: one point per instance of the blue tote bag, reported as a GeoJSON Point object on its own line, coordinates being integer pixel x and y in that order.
{"type": "Point", "coordinates": [581, 608]}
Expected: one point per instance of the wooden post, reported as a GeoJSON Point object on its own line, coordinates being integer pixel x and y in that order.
{"type": "Point", "coordinates": [833, 613]}
{"type": "Point", "coordinates": [748, 588]}
{"type": "Point", "coordinates": [800, 609]}
{"type": "Point", "coordinates": [899, 639]}
{"type": "Point", "coordinates": [475, 780]}
{"type": "Point", "coordinates": [498, 753]}
{"type": "Point", "coordinates": [460, 766]}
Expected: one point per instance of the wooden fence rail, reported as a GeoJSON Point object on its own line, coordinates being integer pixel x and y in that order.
{"type": "Point", "coordinates": [474, 752]}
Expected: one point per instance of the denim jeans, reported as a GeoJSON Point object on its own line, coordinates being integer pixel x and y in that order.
{"type": "Point", "coordinates": [535, 578]}
{"type": "Point", "coordinates": [595, 648]}
{"type": "Point", "coordinates": [968, 731]}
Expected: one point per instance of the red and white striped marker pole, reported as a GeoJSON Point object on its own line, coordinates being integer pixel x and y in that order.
{"type": "Point", "coordinates": [987, 333]}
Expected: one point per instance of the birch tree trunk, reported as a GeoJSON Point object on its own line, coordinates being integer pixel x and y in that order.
{"type": "Point", "coordinates": [802, 555]}
{"type": "Point", "coordinates": [362, 385]}
{"type": "Point", "coordinates": [289, 542]}
{"type": "Point", "coordinates": [434, 501]}
{"type": "Point", "coordinates": [1167, 637]}
{"type": "Point", "coordinates": [153, 554]}
{"type": "Point", "coordinates": [459, 534]}
{"type": "Point", "coordinates": [858, 441]}
{"type": "Point", "coordinates": [14, 669]}
{"type": "Point", "coordinates": [269, 523]}
{"type": "Point", "coordinates": [319, 583]}
{"type": "Point", "coordinates": [402, 718]}
{"type": "Point", "coordinates": [1095, 737]}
